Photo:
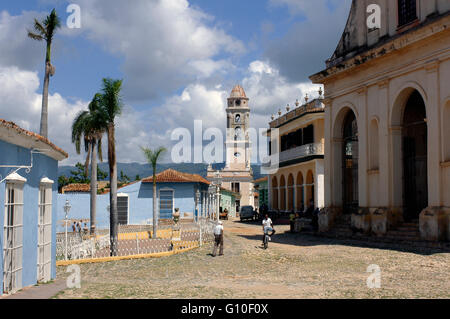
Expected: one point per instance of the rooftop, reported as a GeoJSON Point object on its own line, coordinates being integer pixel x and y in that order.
{"type": "Point", "coordinates": [10, 132]}
{"type": "Point", "coordinates": [173, 176]}
{"type": "Point", "coordinates": [314, 106]}
{"type": "Point", "coordinates": [260, 180]}
{"type": "Point", "coordinates": [238, 92]}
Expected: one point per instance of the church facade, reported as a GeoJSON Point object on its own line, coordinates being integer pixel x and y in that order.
{"type": "Point", "coordinates": [237, 176]}
{"type": "Point", "coordinates": [387, 114]}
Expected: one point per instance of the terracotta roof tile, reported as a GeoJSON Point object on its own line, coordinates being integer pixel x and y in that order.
{"type": "Point", "coordinates": [76, 188]}
{"type": "Point", "coordinates": [20, 130]}
{"type": "Point", "coordinates": [238, 91]}
{"type": "Point", "coordinates": [260, 180]}
{"type": "Point", "coordinates": [173, 176]}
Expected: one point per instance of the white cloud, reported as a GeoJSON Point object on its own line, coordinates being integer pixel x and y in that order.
{"type": "Point", "coordinates": [311, 40]}
{"type": "Point", "coordinates": [16, 48]}
{"type": "Point", "coordinates": [21, 103]}
{"type": "Point", "coordinates": [166, 44]}
{"type": "Point", "coordinates": [270, 91]}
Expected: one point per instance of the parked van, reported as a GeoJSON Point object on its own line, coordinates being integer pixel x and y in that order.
{"type": "Point", "coordinates": [247, 213]}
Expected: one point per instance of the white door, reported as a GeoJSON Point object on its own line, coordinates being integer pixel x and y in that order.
{"type": "Point", "coordinates": [13, 236]}
{"type": "Point", "coordinates": [44, 234]}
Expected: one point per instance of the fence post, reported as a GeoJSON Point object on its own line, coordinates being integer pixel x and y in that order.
{"type": "Point", "coordinates": [200, 234]}
{"type": "Point", "coordinates": [137, 243]}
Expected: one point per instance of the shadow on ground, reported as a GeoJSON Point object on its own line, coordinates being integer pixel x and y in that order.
{"type": "Point", "coordinates": [307, 240]}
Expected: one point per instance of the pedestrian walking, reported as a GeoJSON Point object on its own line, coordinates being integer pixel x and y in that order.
{"type": "Point", "coordinates": [218, 236]}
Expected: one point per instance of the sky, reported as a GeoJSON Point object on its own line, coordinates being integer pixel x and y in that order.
{"type": "Point", "coordinates": [179, 60]}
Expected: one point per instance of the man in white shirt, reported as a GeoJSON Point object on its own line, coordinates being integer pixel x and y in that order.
{"type": "Point", "coordinates": [267, 226]}
{"type": "Point", "coordinates": [218, 236]}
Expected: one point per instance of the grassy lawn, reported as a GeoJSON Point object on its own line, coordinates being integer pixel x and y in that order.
{"type": "Point", "coordinates": [294, 266]}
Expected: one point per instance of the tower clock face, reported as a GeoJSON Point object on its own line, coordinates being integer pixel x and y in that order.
{"type": "Point", "coordinates": [237, 155]}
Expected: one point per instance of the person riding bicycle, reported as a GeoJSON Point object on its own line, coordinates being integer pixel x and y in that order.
{"type": "Point", "coordinates": [267, 227]}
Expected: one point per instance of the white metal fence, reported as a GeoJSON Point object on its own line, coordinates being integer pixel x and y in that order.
{"type": "Point", "coordinates": [134, 240]}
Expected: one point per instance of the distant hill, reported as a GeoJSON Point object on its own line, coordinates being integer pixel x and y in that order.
{"type": "Point", "coordinates": [144, 170]}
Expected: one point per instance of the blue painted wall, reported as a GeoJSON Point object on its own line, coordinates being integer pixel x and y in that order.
{"type": "Point", "coordinates": [43, 166]}
{"type": "Point", "coordinates": [140, 203]}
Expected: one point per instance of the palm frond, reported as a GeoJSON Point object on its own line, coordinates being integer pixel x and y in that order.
{"type": "Point", "coordinates": [35, 36]}
{"type": "Point", "coordinates": [99, 149]}
{"type": "Point", "coordinates": [51, 23]}
{"type": "Point", "coordinates": [111, 99]}
{"type": "Point", "coordinates": [39, 28]}
{"type": "Point", "coordinates": [152, 156]}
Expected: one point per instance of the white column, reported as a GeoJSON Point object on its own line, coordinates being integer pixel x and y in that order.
{"type": "Point", "coordinates": [433, 111]}
{"type": "Point", "coordinates": [329, 155]}
{"type": "Point", "coordinates": [319, 185]}
{"type": "Point", "coordinates": [363, 148]}
{"type": "Point", "coordinates": [384, 153]}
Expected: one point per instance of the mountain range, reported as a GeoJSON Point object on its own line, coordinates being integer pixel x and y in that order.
{"type": "Point", "coordinates": [145, 170]}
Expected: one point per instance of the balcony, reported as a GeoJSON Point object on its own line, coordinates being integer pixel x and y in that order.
{"type": "Point", "coordinates": [304, 151]}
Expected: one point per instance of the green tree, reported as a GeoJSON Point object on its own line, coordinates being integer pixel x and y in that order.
{"type": "Point", "coordinates": [111, 103]}
{"type": "Point", "coordinates": [101, 175]}
{"type": "Point", "coordinates": [124, 179]}
{"type": "Point", "coordinates": [152, 157]}
{"type": "Point", "coordinates": [45, 31]}
{"type": "Point", "coordinates": [89, 127]}
{"type": "Point", "coordinates": [79, 175]}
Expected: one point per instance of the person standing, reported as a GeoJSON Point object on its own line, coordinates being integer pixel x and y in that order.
{"type": "Point", "coordinates": [218, 239]}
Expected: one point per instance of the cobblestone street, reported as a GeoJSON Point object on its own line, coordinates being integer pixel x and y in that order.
{"type": "Point", "coordinates": [294, 266]}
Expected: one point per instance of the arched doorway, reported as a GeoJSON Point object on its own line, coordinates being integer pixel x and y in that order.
{"type": "Point", "coordinates": [274, 193]}
{"type": "Point", "coordinates": [282, 193]}
{"type": "Point", "coordinates": [300, 194]}
{"type": "Point", "coordinates": [350, 164]}
{"type": "Point", "coordinates": [309, 189]}
{"type": "Point", "coordinates": [414, 147]}
{"type": "Point", "coordinates": [290, 193]}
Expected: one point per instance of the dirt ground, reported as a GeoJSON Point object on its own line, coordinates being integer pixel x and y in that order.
{"type": "Point", "coordinates": [294, 266]}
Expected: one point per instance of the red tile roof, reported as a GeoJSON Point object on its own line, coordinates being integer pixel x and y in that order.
{"type": "Point", "coordinates": [173, 176]}
{"type": "Point", "coordinates": [18, 129]}
{"type": "Point", "coordinates": [76, 188]}
{"type": "Point", "coordinates": [260, 180]}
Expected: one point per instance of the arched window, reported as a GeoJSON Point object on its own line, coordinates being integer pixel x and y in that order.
{"type": "Point", "coordinates": [300, 193]}
{"type": "Point", "coordinates": [282, 193]}
{"type": "Point", "coordinates": [274, 193]}
{"type": "Point", "coordinates": [374, 146]}
{"type": "Point", "coordinates": [290, 193]}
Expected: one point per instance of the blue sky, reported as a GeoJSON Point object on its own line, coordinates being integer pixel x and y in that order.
{"type": "Point", "coordinates": [179, 60]}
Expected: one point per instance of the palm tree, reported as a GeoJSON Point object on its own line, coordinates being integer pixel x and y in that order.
{"type": "Point", "coordinates": [45, 30]}
{"type": "Point", "coordinates": [152, 157]}
{"type": "Point", "coordinates": [111, 104]}
{"type": "Point", "coordinates": [89, 126]}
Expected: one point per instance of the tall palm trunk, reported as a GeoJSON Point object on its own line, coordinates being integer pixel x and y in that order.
{"type": "Point", "coordinates": [155, 206]}
{"type": "Point", "coordinates": [113, 218]}
{"type": "Point", "coordinates": [44, 111]}
{"type": "Point", "coordinates": [93, 185]}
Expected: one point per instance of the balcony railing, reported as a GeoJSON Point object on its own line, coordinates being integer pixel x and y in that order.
{"type": "Point", "coordinates": [298, 153]}
{"type": "Point", "coordinates": [301, 152]}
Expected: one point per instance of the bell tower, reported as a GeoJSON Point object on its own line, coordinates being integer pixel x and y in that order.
{"type": "Point", "coordinates": [237, 176]}
{"type": "Point", "coordinates": [238, 121]}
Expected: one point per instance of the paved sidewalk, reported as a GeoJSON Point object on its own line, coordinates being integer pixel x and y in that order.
{"type": "Point", "coordinates": [44, 291]}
